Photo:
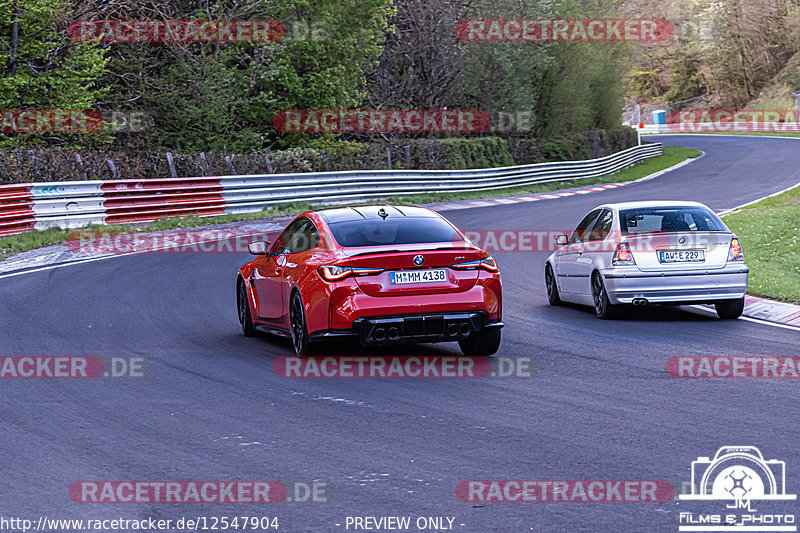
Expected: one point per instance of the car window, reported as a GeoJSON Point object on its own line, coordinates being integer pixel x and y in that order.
{"type": "Point", "coordinates": [579, 235]}
{"type": "Point", "coordinates": [669, 220]}
{"type": "Point", "coordinates": [279, 247]}
{"type": "Point", "coordinates": [394, 230]}
{"type": "Point", "coordinates": [300, 237]}
{"type": "Point", "coordinates": [285, 241]}
{"type": "Point", "coordinates": [602, 227]}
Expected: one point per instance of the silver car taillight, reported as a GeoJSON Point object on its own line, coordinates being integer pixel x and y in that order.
{"type": "Point", "coordinates": [735, 253]}
{"type": "Point", "coordinates": [623, 255]}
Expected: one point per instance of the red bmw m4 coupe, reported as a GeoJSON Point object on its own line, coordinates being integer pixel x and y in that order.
{"type": "Point", "coordinates": [381, 274]}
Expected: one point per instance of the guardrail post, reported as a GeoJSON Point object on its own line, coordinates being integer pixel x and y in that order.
{"type": "Point", "coordinates": [112, 168]}
{"type": "Point", "coordinates": [171, 164]}
{"type": "Point", "coordinates": [389, 157]}
{"type": "Point", "coordinates": [204, 164]}
{"type": "Point", "coordinates": [80, 165]}
{"type": "Point", "coordinates": [34, 162]}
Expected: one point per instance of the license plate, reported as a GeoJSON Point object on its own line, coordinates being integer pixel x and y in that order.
{"type": "Point", "coordinates": [418, 276]}
{"type": "Point", "coordinates": [681, 256]}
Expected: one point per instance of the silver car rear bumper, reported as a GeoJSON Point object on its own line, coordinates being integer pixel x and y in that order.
{"type": "Point", "coordinates": [624, 285]}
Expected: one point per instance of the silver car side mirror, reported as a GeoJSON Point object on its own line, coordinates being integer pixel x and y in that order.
{"type": "Point", "coordinates": [561, 240]}
{"type": "Point", "coordinates": [258, 248]}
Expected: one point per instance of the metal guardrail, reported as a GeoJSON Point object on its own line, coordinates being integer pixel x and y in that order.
{"type": "Point", "coordinates": [720, 127]}
{"type": "Point", "coordinates": [76, 204]}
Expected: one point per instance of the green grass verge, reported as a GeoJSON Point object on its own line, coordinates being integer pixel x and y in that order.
{"type": "Point", "coordinates": [673, 155]}
{"type": "Point", "coordinates": [768, 233]}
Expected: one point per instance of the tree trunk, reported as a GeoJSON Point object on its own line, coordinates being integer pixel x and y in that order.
{"type": "Point", "coordinates": [14, 40]}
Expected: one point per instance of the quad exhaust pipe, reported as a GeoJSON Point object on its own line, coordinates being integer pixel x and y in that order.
{"type": "Point", "coordinates": [453, 330]}
{"type": "Point", "coordinates": [640, 301]}
{"type": "Point", "coordinates": [381, 334]}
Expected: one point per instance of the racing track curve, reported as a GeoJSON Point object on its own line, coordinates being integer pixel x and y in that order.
{"type": "Point", "coordinates": [601, 406]}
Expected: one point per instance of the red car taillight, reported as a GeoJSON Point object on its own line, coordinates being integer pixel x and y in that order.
{"type": "Point", "coordinates": [623, 255]}
{"type": "Point", "coordinates": [336, 273]}
{"type": "Point", "coordinates": [488, 264]}
{"type": "Point", "coordinates": [735, 253]}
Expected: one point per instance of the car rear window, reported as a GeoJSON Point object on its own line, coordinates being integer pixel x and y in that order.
{"type": "Point", "coordinates": [395, 230]}
{"type": "Point", "coordinates": [669, 220]}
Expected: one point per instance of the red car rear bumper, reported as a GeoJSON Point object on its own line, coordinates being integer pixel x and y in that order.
{"type": "Point", "coordinates": [426, 317]}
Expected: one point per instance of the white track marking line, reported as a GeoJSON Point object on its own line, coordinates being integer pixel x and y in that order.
{"type": "Point", "coordinates": [706, 311]}
{"type": "Point", "coordinates": [768, 323]}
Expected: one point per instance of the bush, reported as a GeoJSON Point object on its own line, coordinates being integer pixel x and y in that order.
{"type": "Point", "coordinates": [621, 138]}
{"type": "Point", "coordinates": [480, 152]}
{"type": "Point", "coordinates": [456, 153]}
{"type": "Point", "coordinates": [590, 145]}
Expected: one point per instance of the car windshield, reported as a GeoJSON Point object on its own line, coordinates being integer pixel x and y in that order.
{"type": "Point", "coordinates": [405, 230]}
{"type": "Point", "coordinates": [669, 219]}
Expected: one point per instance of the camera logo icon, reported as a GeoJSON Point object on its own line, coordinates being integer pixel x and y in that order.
{"type": "Point", "coordinates": [738, 473]}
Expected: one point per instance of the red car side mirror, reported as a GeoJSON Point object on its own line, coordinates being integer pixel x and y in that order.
{"type": "Point", "coordinates": [258, 248]}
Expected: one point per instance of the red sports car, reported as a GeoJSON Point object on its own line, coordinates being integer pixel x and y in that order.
{"type": "Point", "coordinates": [379, 274]}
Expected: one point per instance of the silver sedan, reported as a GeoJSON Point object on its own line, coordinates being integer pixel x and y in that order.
{"type": "Point", "coordinates": [643, 253]}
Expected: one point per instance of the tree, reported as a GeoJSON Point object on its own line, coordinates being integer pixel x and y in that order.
{"type": "Point", "coordinates": [222, 96]}
{"type": "Point", "coordinates": [42, 68]}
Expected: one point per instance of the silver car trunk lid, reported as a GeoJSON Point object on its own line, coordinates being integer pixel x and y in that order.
{"type": "Point", "coordinates": [692, 250]}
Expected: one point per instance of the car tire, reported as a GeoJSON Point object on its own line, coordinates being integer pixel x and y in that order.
{"type": "Point", "coordinates": [243, 303]}
{"type": "Point", "coordinates": [730, 309]}
{"type": "Point", "coordinates": [484, 342]}
{"type": "Point", "coordinates": [552, 286]}
{"type": "Point", "coordinates": [602, 305]}
{"type": "Point", "coordinates": [299, 329]}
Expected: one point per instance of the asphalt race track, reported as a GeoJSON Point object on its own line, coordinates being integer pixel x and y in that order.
{"type": "Point", "coordinates": [600, 407]}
